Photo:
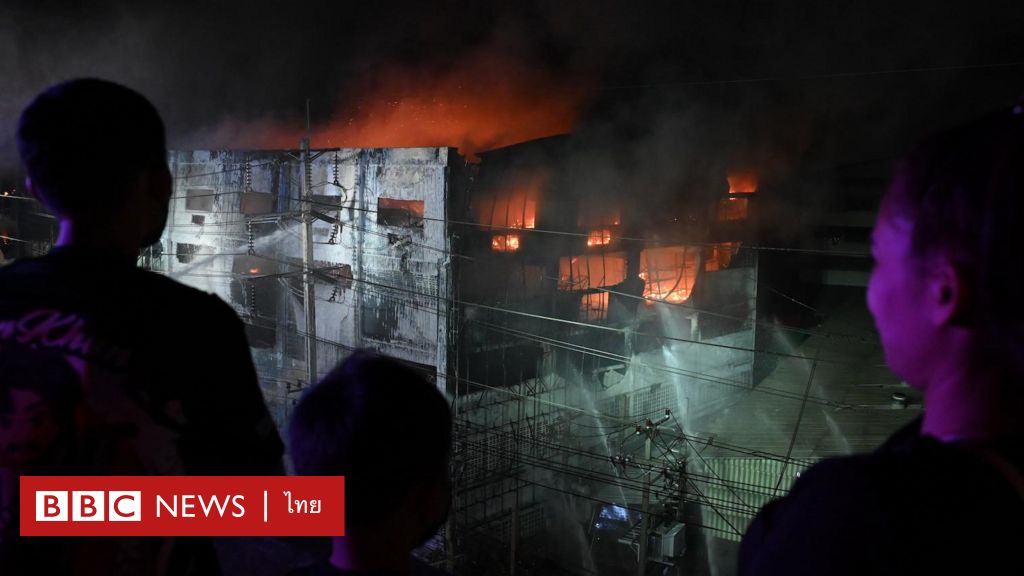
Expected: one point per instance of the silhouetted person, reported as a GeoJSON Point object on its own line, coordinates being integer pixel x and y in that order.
{"type": "Point", "coordinates": [944, 495]}
{"type": "Point", "coordinates": [163, 378]}
{"type": "Point", "coordinates": [386, 429]}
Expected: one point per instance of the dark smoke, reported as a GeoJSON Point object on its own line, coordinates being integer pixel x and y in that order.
{"type": "Point", "coordinates": [721, 84]}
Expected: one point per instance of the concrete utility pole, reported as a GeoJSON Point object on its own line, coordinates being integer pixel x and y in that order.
{"type": "Point", "coordinates": [309, 292]}
{"type": "Point", "coordinates": [645, 503]}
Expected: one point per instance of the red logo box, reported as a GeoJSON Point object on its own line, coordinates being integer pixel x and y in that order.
{"type": "Point", "coordinates": [182, 506]}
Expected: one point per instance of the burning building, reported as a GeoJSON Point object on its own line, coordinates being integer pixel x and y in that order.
{"type": "Point", "coordinates": [599, 327]}
{"type": "Point", "coordinates": [556, 323]}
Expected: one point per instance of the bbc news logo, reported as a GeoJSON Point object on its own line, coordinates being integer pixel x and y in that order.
{"type": "Point", "coordinates": [182, 506]}
{"type": "Point", "coordinates": [88, 506]}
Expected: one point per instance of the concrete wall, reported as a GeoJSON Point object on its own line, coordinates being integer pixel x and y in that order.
{"type": "Point", "coordinates": [383, 283]}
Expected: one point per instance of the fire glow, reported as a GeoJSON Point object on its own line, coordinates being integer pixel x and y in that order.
{"type": "Point", "coordinates": [594, 306]}
{"type": "Point", "coordinates": [486, 101]}
{"type": "Point", "coordinates": [742, 183]}
{"type": "Point", "coordinates": [591, 271]}
{"type": "Point", "coordinates": [505, 242]}
{"type": "Point", "coordinates": [508, 210]}
{"type": "Point", "coordinates": [513, 205]}
{"type": "Point", "coordinates": [668, 273]}
{"type": "Point", "coordinates": [599, 238]}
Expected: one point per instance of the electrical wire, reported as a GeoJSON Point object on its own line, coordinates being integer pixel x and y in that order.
{"type": "Point", "coordinates": [581, 235]}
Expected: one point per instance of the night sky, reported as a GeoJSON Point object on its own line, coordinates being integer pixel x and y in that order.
{"type": "Point", "coordinates": [766, 83]}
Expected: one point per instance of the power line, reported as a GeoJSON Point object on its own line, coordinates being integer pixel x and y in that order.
{"type": "Point", "coordinates": [591, 474]}
{"type": "Point", "coordinates": [591, 351]}
{"type": "Point", "coordinates": [604, 354]}
{"type": "Point", "coordinates": [455, 301]}
{"type": "Point", "coordinates": [681, 305]}
{"type": "Point", "coordinates": [666, 369]}
{"type": "Point", "coordinates": [561, 343]}
{"type": "Point", "coordinates": [745, 486]}
{"type": "Point", "coordinates": [626, 483]}
{"type": "Point", "coordinates": [582, 235]}
{"type": "Point", "coordinates": [224, 171]}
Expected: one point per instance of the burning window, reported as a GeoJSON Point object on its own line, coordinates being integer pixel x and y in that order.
{"type": "Point", "coordinates": [599, 238]}
{"type": "Point", "coordinates": [505, 242]}
{"type": "Point", "coordinates": [742, 183]}
{"type": "Point", "coordinates": [730, 209]}
{"type": "Point", "coordinates": [200, 199]}
{"type": "Point", "coordinates": [513, 204]}
{"type": "Point", "coordinates": [668, 273]}
{"type": "Point", "coordinates": [394, 212]}
{"type": "Point", "coordinates": [594, 306]}
{"type": "Point", "coordinates": [719, 256]}
{"type": "Point", "coordinates": [591, 271]}
{"type": "Point", "coordinates": [511, 211]}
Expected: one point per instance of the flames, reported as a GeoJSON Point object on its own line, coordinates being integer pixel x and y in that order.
{"type": "Point", "coordinates": [742, 182]}
{"type": "Point", "coordinates": [668, 273]}
{"type": "Point", "coordinates": [599, 238]}
{"type": "Point", "coordinates": [512, 205]}
{"type": "Point", "coordinates": [719, 256]}
{"type": "Point", "coordinates": [484, 102]}
{"type": "Point", "coordinates": [594, 306]}
{"type": "Point", "coordinates": [508, 209]}
{"type": "Point", "coordinates": [591, 271]}
{"type": "Point", "coordinates": [505, 242]}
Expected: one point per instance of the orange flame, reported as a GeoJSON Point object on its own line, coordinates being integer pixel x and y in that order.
{"type": "Point", "coordinates": [719, 256]}
{"type": "Point", "coordinates": [486, 102]}
{"type": "Point", "coordinates": [742, 182]}
{"type": "Point", "coordinates": [514, 205]}
{"type": "Point", "coordinates": [591, 270]}
{"type": "Point", "coordinates": [599, 238]}
{"type": "Point", "coordinates": [594, 306]}
{"type": "Point", "coordinates": [505, 242]}
{"type": "Point", "coordinates": [668, 273]}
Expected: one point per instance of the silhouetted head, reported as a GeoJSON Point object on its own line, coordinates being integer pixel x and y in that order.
{"type": "Point", "coordinates": [948, 261]}
{"type": "Point", "coordinates": [388, 430]}
{"type": "Point", "coordinates": [95, 154]}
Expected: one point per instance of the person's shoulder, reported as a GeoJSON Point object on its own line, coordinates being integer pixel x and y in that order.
{"type": "Point", "coordinates": [179, 296]}
{"type": "Point", "coordinates": [842, 491]}
{"type": "Point", "coordinates": [848, 472]}
{"type": "Point", "coordinates": [820, 523]}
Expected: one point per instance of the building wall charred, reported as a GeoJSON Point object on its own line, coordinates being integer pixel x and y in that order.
{"type": "Point", "coordinates": [579, 318]}
{"type": "Point", "coordinates": [380, 249]}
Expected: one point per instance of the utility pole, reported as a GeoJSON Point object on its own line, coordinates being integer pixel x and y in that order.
{"type": "Point", "coordinates": [645, 503]}
{"type": "Point", "coordinates": [309, 292]}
